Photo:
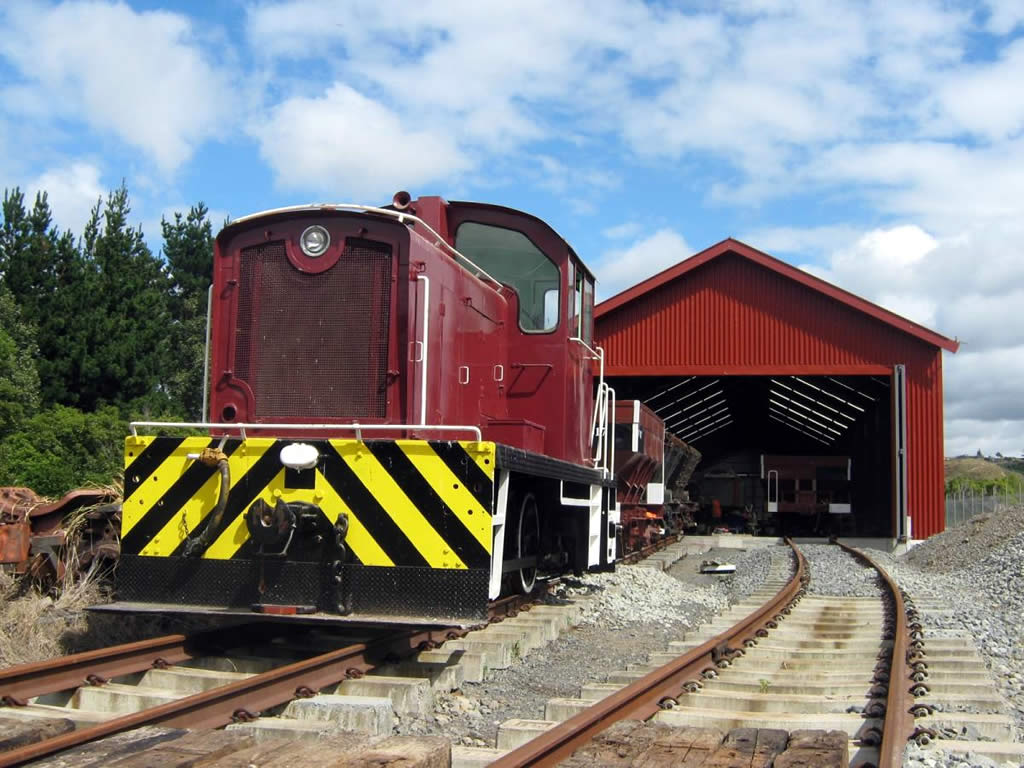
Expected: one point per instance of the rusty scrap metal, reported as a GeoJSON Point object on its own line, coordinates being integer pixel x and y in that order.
{"type": "Point", "coordinates": [642, 699]}
{"type": "Point", "coordinates": [32, 534]}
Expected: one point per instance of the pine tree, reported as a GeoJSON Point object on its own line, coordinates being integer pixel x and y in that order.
{"type": "Point", "coordinates": [14, 237]}
{"type": "Point", "coordinates": [44, 273]}
{"type": "Point", "coordinates": [19, 379]}
{"type": "Point", "coordinates": [126, 356]}
{"type": "Point", "coordinates": [188, 249]}
{"type": "Point", "coordinates": [65, 322]}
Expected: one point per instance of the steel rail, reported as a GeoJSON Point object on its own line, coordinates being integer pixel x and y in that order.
{"type": "Point", "coordinates": [59, 674]}
{"type": "Point", "coordinates": [239, 700]}
{"type": "Point", "coordinates": [643, 698]}
{"type": "Point", "coordinates": [650, 549]}
{"type": "Point", "coordinates": [898, 726]}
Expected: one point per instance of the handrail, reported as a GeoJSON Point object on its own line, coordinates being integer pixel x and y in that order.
{"type": "Point", "coordinates": [425, 354]}
{"type": "Point", "coordinates": [641, 699]}
{"type": "Point", "coordinates": [206, 352]}
{"type": "Point", "coordinates": [400, 216]}
{"type": "Point", "coordinates": [358, 428]}
{"type": "Point", "coordinates": [898, 726]}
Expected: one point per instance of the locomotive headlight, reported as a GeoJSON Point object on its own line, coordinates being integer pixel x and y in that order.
{"type": "Point", "coordinates": [299, 456]}
{"type": "Point", "coordinates": [314, 241]}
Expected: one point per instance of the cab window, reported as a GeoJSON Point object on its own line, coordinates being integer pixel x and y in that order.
{"type": "Point", "coordinates": [588, 310]}
{"type": "Point", "coordinates": [582, 310]}
{"type": "Point", "coordinates": [512, 258]}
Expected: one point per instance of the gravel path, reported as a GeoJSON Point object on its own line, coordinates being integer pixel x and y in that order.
{"type": "Point", "coordinates": [626, 615]}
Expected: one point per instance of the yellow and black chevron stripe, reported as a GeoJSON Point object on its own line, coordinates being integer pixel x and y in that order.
{"type": "Point", "coordinates": [409, 502]}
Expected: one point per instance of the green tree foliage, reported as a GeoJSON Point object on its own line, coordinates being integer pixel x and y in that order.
{"type": "Point", "coordinates": [19, 379]}
{"type": "Point", "coordinates": [1010, 484]}
{"type": "Point", "coordinates": [188, 249]}
{"type": "Point", "coordinates": [45, 274]}
{"type": "Point", "coordinates": [62, 448]}
{"type": "Point", "coordinates": [94, 331]}
{"type": "Point", "coordinates": [128, 318]}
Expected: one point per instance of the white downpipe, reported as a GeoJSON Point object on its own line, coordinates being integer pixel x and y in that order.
{"type": "Point", "coordinates": [206, 353]}
{"type": "Point", "coordinates": [355, 426]}
{"type": "Point", "coordinates": [610, 461]}
{"type": "Point", "coordinates": [424, 359]}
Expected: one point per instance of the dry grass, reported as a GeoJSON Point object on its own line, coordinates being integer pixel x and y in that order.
{"type": "Point", "coordinates": [36, 626]}
{"type": "Point", "coordinates": [33, 624]}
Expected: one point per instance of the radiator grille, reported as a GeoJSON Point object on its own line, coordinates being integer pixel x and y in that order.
{"type": "Point", "coordinates": [315, 346]}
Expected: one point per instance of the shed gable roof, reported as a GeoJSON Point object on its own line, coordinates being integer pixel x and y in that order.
{"type": "Point", "coordinates": [745, 251]}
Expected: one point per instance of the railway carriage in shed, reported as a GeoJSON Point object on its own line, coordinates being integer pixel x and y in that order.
{"type": "Point", "coordinates": [407, 418]}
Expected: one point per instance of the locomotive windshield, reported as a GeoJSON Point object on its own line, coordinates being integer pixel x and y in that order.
{"type": "Point", "coordinates": [512, 258]}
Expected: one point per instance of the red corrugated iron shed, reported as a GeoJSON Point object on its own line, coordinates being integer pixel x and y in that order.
{"type": "Point", "coordinates": [733, 310]}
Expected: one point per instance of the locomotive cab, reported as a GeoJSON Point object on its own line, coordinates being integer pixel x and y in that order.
{"type": "Point", "coordinates": [549, 328]}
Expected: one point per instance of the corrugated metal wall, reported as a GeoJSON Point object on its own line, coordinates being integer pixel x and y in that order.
{"type": "Point", "coordinates": [732, 316]}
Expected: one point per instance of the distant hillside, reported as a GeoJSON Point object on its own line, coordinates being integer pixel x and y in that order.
{"type": "Point", "coordinates": [980, 474]}
{"type": "Point", "coordinates": [1014, 465]}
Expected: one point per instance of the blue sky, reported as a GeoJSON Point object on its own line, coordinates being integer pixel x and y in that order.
{"type": "Point", "coordinates": [876, 144]}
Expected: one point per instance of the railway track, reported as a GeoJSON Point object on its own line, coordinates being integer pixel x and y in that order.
{"type": "Point", "coordinates": [185, 682]}
{"type": "Point", "coordinates": [798, 680]}
{"type": "Point", "coordinates": [228, 677]}
{"type": "Point", "coordinates": [784, 675]}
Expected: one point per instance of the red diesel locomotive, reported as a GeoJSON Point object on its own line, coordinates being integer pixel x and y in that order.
{"type": "Point", "coordinates": [407, 418]}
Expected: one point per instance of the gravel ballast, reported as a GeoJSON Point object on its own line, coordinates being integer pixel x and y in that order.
{"type": "Point", "coordinates": [835, 573]}
{"type": "Point", "coordinates": [977, 571]}
{"type": "Point", "coordinates": [626, 615]}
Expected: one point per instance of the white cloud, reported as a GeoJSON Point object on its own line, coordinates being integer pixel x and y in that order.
{"type": "Point", "coordinates": [72, 191]}
{"type": "Point", "coordinates": [139, 76]}
{"type": "Point", "coordinates": [622, 231]}
{"type": "Point", "coordinates": [343, 143]}
{"type": "Point", "coordinates": [985, 385]}
{"type": "Point", "coordinates": [965, 437]}
{"type": "Point", "coordinates": [987, 99]}
{"type": "Point", "coordinates": [770, 88]}
{"type": "Point", "coordinates": [813, 240]}
{"type": "Point", "coordinates": [482, 70]}
{"type": "Point", "coordinates": [621, 268]}
{"type": "Point", "coordinates": [1004, 16]}
{"type": "Point", "coordinates": [882, 265]}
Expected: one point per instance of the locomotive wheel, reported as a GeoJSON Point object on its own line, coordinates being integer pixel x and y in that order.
{"type": "Point", "coordinates": [527, 543]}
